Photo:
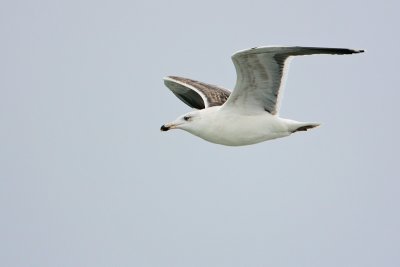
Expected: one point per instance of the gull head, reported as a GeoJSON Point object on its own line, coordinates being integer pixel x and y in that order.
{"type": "Point", "coordinates": [196, 121]}
{"type": "Point", "coordinates": [185, 122]}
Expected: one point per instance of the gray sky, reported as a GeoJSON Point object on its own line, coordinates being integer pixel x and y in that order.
{"type": "Point", "coordinates": [87, 178]}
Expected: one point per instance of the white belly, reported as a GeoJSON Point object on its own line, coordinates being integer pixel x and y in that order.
{"type": "Point", "coordinates": [242, 130]}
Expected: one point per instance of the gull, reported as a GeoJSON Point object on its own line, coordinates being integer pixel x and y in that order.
{"type": "Point", "coordinates": [250, 113]}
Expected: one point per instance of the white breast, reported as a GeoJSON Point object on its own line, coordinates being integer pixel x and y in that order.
{"type": "Point", "coordinates": [232, 129]}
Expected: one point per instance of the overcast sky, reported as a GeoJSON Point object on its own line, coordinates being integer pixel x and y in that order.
{"type": "Point", "coordinates": [88, 179]}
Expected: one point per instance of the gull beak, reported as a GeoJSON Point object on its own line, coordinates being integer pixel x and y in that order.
{"type": "Point", "coordinates": [168, 126]}
{"type": "Point", "coordinates": [164, 128]}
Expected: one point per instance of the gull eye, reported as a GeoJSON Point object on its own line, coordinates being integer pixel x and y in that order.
{"type": "Point", "coordinates": [186, 118]}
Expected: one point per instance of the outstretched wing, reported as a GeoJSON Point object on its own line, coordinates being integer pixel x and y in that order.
{"type": "Point", "coordinates": [196, 94]}
{"type": "Point", "coordinates": [261, 74]}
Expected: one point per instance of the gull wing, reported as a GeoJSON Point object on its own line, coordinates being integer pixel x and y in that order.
{"type": "Point", "coordinates": [196, 94]}
{"type": "Point", "coordinates": [261, 74]}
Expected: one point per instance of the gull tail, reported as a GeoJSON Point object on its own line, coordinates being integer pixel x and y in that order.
{"type": "Point", "coordinates": [303, 126]}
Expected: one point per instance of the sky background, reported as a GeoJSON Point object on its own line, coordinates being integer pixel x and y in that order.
{"type": "Point", "coordinates": [87, 178]}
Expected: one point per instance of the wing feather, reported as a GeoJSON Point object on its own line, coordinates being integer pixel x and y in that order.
{"type": "Point", "coordinates": [196, 94]}
{"type": "Point", "coordinates": [261, 74]}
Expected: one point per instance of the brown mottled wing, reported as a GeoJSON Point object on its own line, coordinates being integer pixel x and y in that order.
{"type": "Point", "coordinates": [196, 94]}
{"type": "Point", "coordinates": [260, 76]}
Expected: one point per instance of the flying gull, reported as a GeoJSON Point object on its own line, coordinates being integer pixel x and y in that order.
{"type": "Point", "coordinates": [250, 113]}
